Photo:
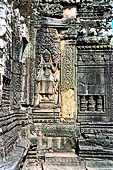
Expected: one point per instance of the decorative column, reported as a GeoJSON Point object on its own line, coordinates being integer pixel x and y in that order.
{"type": "Point", "coordinates": [68, 81]}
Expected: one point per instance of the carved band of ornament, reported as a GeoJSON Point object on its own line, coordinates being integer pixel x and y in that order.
{"type": "Point", "coordinates": [91, 59]}
{"type": "Point", "coordinates": [95, 52]}
{"type": "Point", "coordinates": [63, 160]}
{"type": "Point", "coordinates": [67, 67]}
{"type": "Point", "coordinates": [63, 1]}
{"type": "Point", "coordinates": [95, 130]}
{"type": "Point", "coordinates": [50, 9]}
{"type": "Point", "coordinates": [95, 47]}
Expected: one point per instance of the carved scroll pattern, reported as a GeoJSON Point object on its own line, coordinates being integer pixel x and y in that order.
{"type": "Point", "coordinates": [47, 38]}
{"type": "Point", "coordinates": [67, 75]}
{"type": "Point", "coordinates": [50, 9]}
{"type": "Point", "coordinates": [17, 82]}
{"type": "Point", "coordinates": [31, 82]}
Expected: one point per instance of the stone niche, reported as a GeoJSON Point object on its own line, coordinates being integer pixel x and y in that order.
{"type": "Point", "coordinates": [47, 72]}
{"type": "Point", "coordinates": [59, 79]}
{"type": "Point", "coordinates": [55, 73]}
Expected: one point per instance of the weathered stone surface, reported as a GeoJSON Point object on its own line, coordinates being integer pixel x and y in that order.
{"type": "Point", "coordinates": [62, 161]}
{"type": "Point", "coordinates": [56, 78]}
{"type": "Point", "coordinates": [68, 106]}
{"type": "Point", "coordinates": [99, 164]}
{"type": "Point", "coordinates": [68, 83]}
{"type": "Point", "coordinates": [60, 167]}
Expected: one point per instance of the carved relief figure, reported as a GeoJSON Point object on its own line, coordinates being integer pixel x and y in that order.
{"type": "Point", "coordinates": [47, 78]}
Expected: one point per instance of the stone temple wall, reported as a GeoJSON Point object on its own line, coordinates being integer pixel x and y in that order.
{"type": "Point", "coordinates": [11, 75]}
{"type": "Point", "coordinates": [56, 76]}
{"type": "Point", "coordinates": [8, 134]}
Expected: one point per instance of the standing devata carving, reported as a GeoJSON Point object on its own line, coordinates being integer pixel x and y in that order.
{"type": "Point", "coordinates": [47, 79]}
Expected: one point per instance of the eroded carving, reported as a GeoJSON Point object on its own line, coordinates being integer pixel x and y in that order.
{"type": "Point", "coordinates": [46, 9]}
{"type": "Point", "coordinates": [47, 67]}
{"type": "Point", "coordinates": [67, 67]}
{"type": "Point", "coordinates": [47, 79]}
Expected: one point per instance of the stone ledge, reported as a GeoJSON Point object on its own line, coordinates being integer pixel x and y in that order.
{"type": "Point", "coordinates": [99, 164]}
{"type": "Point", "coordinates": [63, 161]}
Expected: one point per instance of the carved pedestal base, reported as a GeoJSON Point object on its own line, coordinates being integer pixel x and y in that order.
{"type": "Point", "coordinates": [48, 104]}
{"type": "Point", "coordinates": [46, 115]}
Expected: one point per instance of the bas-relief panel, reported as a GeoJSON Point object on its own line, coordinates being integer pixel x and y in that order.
{"type": "Point", "coordinates": [47, 79]}
{"type": "Point", "coordinates": [47, 71]}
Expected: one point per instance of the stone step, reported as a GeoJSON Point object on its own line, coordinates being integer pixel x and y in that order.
{"type": "Point", "coordinates": [58, 157]}
{"type": "Point", "coordinates": [32, 155]}
{"type": "Point", "coordinates": [46, 114]}
{"type": "Point", "coordinates": [46, 110]}
{"type": "Point", "coordinates": [45, 117]}
{"type": "Point", "coordinates": [99, 164]}
{"type": "Point", "coordinates": [63, 161]}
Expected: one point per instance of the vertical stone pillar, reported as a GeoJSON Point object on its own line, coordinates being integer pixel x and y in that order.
{"type": "Point", "coordinates": [68, 81]}
{"type": "Point", "coordinates": [31, 64]}
{"type": "Point", "coordinates": [110, 91]}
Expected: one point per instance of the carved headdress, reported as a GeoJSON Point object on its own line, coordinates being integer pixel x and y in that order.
{"type": "Point", "coordinates": [46, 52]}
{"type": "Point", "coordinates": [46, 55]}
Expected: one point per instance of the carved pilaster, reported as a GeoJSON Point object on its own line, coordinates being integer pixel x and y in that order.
{"type": "Point", "coordinates": [68, 83]}
{"type": "Point", "coordinates": [16, 82]}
